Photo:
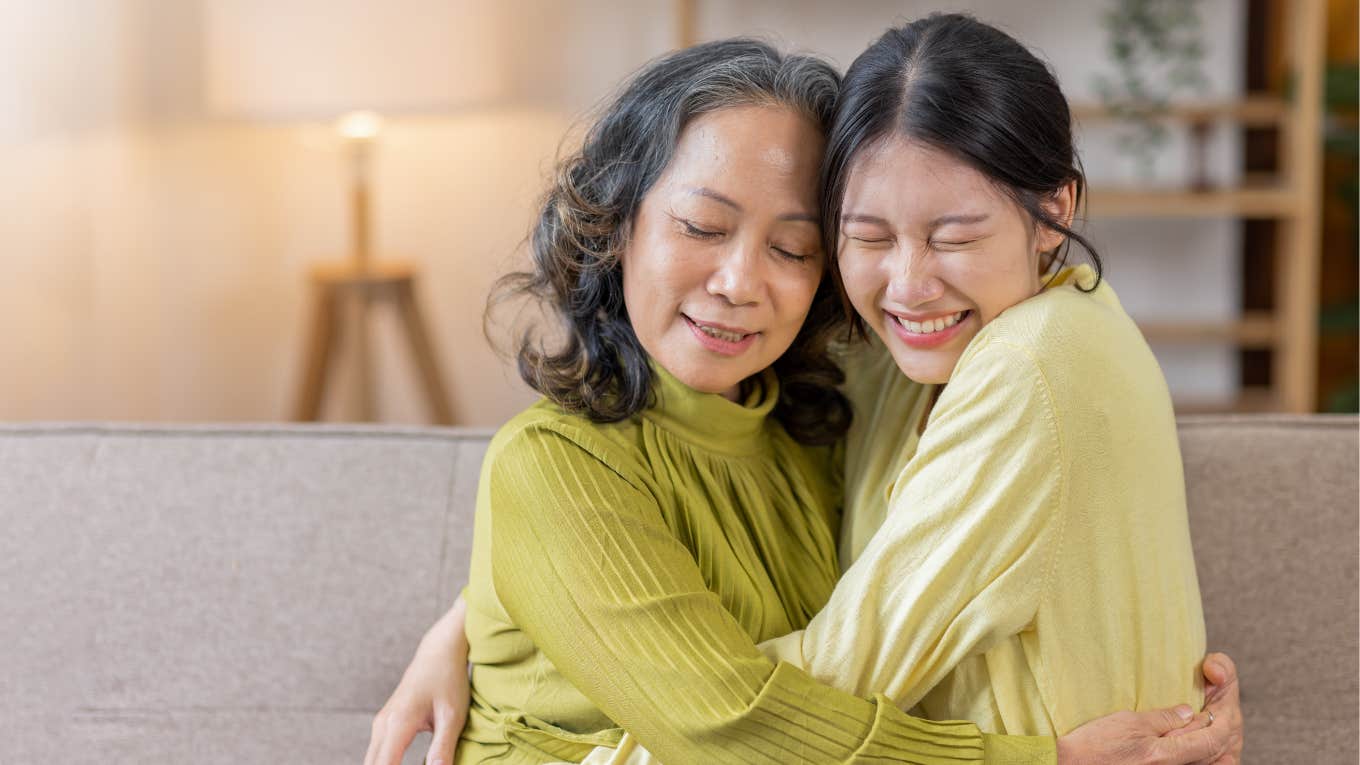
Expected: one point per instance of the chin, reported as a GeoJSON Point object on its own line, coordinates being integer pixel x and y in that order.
{"type": "Point", "coordinates": [707, 386]}
{"type": "Point", "coordinates": [707, 382]}
{"type": "Point", "coordinates": [927, 371]}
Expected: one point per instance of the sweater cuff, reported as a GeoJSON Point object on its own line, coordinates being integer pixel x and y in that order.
{"type": "Point", "coordinates": [1020, 750]}
{"type": "Point", "coordinates": [827, 725]}
{"type": "Point", "coordinates": [897, 736]}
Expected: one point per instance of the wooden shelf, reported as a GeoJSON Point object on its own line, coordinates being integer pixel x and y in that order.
{"type": "Point", "coordinates": [1263, 202]}
{"type": "Point", "coordinates": [1291, 196]}
{"type": "Point", "coordinates": [1253, 330]}
{"type": "Point", "coordinates": [1252, 111]}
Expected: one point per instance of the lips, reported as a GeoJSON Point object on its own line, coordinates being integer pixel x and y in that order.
{"type": "Point", "coordinates": [929, 332]}
{"type": "Point", "coordinates": [721, 339]}
{"type": "Point", "coordinates": [929, 325]}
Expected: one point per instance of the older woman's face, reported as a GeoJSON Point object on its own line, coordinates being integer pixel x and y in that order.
{"type": "Point", "coordinates": [725, 251]}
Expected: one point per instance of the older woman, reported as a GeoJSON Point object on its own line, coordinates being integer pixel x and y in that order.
{"type": "Point", "coordinates": [673, 499]}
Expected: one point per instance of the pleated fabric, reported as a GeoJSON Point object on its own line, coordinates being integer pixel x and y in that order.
{"type": "Point", "coordinates": [623, 573]}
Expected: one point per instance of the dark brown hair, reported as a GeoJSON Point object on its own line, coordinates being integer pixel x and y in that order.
{"type": "Point", "coordinates": [971, 91]}
{"type": "Point", "coordinates": [598, 368]}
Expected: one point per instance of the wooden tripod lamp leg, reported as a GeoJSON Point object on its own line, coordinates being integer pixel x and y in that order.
{"type": "Point", "coordinates": [363, 367]}
{"type": "Point", "coordinates": [321, 341]}
{"type": "Point", "coordinates": [423, 352]}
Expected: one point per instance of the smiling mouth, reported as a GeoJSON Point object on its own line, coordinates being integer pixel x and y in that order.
{"type": "Point", "coordinates": [726, 335]}
{"type": "Point", "coordinates": [931, 326]}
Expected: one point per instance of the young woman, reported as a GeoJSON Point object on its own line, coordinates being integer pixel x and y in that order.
{"type": "Point", "coordinates": [1033, 569]}
{"type": "Point", "coordinates": [668, 506]}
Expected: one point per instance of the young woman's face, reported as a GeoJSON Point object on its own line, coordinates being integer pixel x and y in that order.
{"type": "Point", "coordinates": [725, 254]}
{"type": "Point", "coordinates": [930, 251]}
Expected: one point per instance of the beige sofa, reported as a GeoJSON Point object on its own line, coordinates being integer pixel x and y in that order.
{"type": "Point", "coordinates": [251, 594]}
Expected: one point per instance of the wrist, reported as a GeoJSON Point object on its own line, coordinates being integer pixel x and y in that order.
{"type": "Point", "coordinates": [448, 635]}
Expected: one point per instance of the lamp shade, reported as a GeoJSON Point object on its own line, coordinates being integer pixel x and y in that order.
{"type": "Point", "coordinates": [316, 59]}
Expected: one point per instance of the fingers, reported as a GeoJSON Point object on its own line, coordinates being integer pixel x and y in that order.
{"type": "Point", "coordinates": [396, 740]}
{"type": "Point", "coordinates": [1163, 721]}
{"type": "Point", "coordinates": [445, 738]}
{"type": "Point", "coordinates": [1227, 711]}
{"type": "Point", "coordinates": [1219, 670]}
{"type": "Point", "coordinates": [375, 738]}
{"type": "Point", "coordinates": [1202, 744]}
{"type": "Point", "coordinates": [1200, 720]}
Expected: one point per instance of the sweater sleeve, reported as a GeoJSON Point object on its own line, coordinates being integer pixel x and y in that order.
{"type": "Point", "coordinates": [963, 556]}
{"type": "Point", "coordinates": [585, 565]}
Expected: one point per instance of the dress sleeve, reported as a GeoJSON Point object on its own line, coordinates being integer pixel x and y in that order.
{"type": "Point", "coordinates": [964, 554]}
{"type": "Point", "coordinates": [585, 565]}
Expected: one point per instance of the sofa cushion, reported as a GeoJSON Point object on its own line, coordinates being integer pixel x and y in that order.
{"type": "Point", "coordinates": [252, 593]}
{"type": "Point", "coordinates": [222, 591]}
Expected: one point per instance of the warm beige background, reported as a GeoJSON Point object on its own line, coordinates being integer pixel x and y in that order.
{"type": "Point", "coordinates": [154, 255]}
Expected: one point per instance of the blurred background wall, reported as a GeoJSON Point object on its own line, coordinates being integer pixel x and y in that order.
{"type": "Point", "coordinates": [156, 253]}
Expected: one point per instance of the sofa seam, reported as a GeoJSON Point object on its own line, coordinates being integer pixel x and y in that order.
{"type": "Point", "coordinates": [194, 431]}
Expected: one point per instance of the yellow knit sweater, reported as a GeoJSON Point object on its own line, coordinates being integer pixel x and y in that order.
{"type": "Point", "coordinates": [1031, 568]}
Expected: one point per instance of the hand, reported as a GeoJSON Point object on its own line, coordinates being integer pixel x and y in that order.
{"type": "Point", "coordinates": [1221, 696]}
{"type": "Point", "coordinates": [1173, 736]}
{"type": "Point", "coordinates": [432, 696]}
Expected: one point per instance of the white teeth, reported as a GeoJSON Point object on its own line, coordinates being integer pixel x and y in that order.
{"type": "Point", "coordinates": [930, 326]}
{"type": "Point", "coordinates": [730, 337]}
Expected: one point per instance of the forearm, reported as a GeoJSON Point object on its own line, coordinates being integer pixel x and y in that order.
{"type": "Point", "coordinates": [448, 634]}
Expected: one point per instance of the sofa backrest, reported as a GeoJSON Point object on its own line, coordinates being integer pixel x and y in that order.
{"type": "Point", "coordinates": [1276, 526]}
{"type": "Point", "coordinates": [252, 593]}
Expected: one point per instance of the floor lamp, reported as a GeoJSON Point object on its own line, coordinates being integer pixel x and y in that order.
{"type": "Point", "coordinates": [363, 284]}
{"type": "Point", "coordinates": [354, 59]}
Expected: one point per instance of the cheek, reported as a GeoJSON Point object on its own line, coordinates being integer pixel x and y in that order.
{"type": "Point", "coordinates": [993, 284]}
{"type": "Point", "coordinates": [652, 276]}
{"type": "Point", "coordinates": [860, 276]}
{"type": "Point", "coordinates": [795, 299]}
{"type": "Point", "coordinates": [634, 297]}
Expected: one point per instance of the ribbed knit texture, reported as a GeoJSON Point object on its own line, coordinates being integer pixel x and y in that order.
{"type": "Point", "coordinates": [623, 573]}
{"type": "Point", "coordinates": [1033, 569]}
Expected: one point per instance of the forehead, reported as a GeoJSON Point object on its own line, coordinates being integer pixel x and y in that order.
{"type": "Point", "coordinates": [906, 176]}
{"type": "Point", "coordinates": [741, 142]}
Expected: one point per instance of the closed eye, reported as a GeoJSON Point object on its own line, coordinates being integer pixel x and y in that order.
{"type": "Point", "coordinates": [698, 233]}
{"type": "Point", "coordinates": [790, 255]}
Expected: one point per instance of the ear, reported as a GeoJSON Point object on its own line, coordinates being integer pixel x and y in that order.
{"type": "Point", "coordinates": [1062, 205]}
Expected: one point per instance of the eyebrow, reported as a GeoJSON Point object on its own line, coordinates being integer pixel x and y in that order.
{"type": "Point", "coordinates": [943, 220]}
{"type": "Point", "coordinates": [858, 218]}
{"type": "Point", "coordinates": [704, 191]}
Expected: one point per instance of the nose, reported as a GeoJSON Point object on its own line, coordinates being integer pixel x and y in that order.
{"type": "Point", "coordinates": [738, 277]}
{"type": "Point", "coordinates": [912, 280]}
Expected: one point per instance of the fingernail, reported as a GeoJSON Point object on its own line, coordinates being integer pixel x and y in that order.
{"type": "Point", "coordinates": [1184, 712]}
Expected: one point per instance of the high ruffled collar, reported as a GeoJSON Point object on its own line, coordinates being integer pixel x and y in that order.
{"type": "Point", "coordinates": [710, 421]}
